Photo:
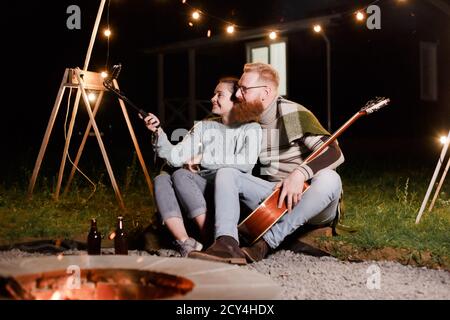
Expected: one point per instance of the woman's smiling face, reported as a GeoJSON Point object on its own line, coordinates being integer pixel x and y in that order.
{"type": "Point", "coordinates": [221, 101]}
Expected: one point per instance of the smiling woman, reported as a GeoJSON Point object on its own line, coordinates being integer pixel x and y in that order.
{"type": "Point", "coordinates": [210, 145]}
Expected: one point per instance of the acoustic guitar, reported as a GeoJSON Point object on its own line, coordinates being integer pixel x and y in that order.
{"type": "Point", "coordinates": [268, 213]}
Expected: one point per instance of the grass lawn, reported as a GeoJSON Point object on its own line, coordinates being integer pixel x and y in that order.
{"type": "Point", "coordinates": [381, 204]}
{"type": "Point", "coordinates": [383, 207]}
{"type": "Point", "coordinates": [69, 218]}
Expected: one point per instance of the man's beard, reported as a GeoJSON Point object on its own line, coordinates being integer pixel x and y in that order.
{"type": "Point", "coordinates": [246, 111]}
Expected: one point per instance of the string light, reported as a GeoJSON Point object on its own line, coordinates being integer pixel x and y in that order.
{"type": "Point", "coordinates": [443, 139]}
{"type": "Point", "coordinates": [104, 74]}
{"type": "Point", "coordinates": [360, 16]}
{"type": "Point", "coordinates": [231, 28]}
{"type": "Point", "coordinates": [92, 96]}
{"type": "Point", "coordinates": [195, 15]}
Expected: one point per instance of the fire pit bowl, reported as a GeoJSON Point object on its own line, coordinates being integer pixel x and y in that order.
{"type": "Point", "coordinates": [129, 277]}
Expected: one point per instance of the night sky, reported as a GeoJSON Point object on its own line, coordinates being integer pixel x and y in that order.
{"type": "Point", "coordinates": [37, 47]}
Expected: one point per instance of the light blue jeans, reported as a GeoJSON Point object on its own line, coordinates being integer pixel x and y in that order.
{"type": "Point", "coordinates": [317, 206]}
{"type": "Point", "coordinates": [183, 187]}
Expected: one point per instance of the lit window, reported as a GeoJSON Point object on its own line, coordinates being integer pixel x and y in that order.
{"type": "Point", "coordinates": [273, 53]}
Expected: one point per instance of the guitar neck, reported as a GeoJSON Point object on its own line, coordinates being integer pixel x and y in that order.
{"type": "Point", "coordinates": [334, 136]}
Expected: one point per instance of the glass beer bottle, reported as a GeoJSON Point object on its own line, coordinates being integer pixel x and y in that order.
{"type": "Point", "coordinates": [94, 239]}
{"type": "Point", "coordinates": [120, 239]}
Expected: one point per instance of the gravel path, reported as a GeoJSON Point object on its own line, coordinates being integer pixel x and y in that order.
{"type": "Point", "coordinates": [307, 277]}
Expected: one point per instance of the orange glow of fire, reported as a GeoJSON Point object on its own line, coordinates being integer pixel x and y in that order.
{"type": "Point", "coordinates": [56, 296]}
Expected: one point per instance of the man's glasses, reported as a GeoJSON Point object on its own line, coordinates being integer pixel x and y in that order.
{"type": "Point", "coordinates": [244, 89]}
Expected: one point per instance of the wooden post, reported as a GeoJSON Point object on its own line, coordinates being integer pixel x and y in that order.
{"type": "Point", "coordinates": [77, 98]}
{"type": "Point", "coordinates": [438, 189]}
{"type": "Point", "coordinates": [433, 179]}
{"type": "Point", "coordinates": [48, 132]}
{"type": "Point", "coordinates": [136, 145]}
{"type": "Point", "coordinates": [99, 139]}
{"type": "Point", "coordinates": [94, 35]}
{"type": "Point", "coordinates": [66, 147]}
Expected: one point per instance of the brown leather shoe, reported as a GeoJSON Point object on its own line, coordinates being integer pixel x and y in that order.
{"type": "Point", "coordinates": [224, 249]}
{"type": "Point", "coordinates": [257, 251]}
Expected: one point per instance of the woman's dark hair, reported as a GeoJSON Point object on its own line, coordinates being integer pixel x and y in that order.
{"type": "Point", "coordinates": [234, 83]}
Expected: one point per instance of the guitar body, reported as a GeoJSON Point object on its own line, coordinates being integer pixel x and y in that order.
{"type": "Point", "coordinates": [263, 217]}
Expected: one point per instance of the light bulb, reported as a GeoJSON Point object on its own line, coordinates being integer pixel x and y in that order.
{"type": "Point", "coordinates": [360, 16]}
{"type": "Point", "coordinates": [195, 15]}
{"type": "Point", "coordinates": [92, 96]}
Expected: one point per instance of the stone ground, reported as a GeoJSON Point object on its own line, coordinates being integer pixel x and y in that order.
{"type": "Point", "coordinates": [315, 278]}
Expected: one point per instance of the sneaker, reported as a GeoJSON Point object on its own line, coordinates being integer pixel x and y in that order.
{"type": "Point", "coordinates": [224, 249]}
{"type": "Point", "coordinates": [188, 245]}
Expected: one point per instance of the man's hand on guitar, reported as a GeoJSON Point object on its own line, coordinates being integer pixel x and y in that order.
{"type": "Point", "coordinates": [291, 189]}
{"type": "Point", "coordinates": [151, 122]}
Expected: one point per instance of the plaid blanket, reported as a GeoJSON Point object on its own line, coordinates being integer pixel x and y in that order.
{"type": "Point", "coordinates": [299, 121]}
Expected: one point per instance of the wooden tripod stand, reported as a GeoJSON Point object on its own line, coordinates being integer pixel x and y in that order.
{"type": "Point", "coordinates": [433, 180]}
{"type": "Point", "coordinates": [82, 81]}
